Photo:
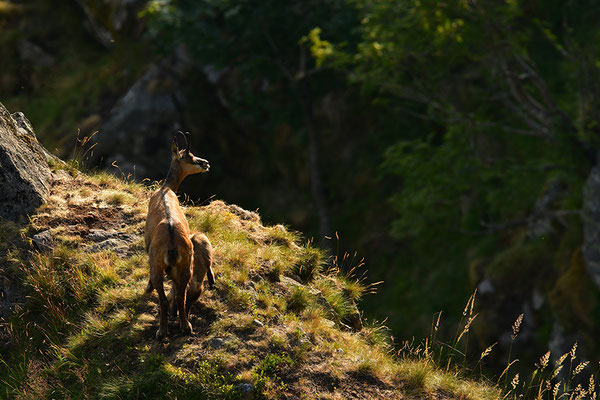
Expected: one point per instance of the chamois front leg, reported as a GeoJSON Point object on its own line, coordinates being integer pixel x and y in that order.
{"type": "Point", "coordinates": [181, 287]}
{"type": "Point", "coordinates": [163, 305]}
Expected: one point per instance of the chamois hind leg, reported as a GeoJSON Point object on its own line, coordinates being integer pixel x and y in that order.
{"type": "Point", "coordinates": [149, 287]}
{"type": "Point", "coordinates": [163, 305]}
{"type": "Point", "coordinates": [172, 301]}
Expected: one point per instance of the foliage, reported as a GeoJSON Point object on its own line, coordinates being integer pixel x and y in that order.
{"type": "Point", "coordinates": [263, 41]}
{"type": "Point", "coordinates": [497, 103]}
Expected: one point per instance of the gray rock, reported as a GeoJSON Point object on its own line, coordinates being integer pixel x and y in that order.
{"type": "Point", "coordinates": [44, 241]}
{"type": "Point", "coordinates": [353, 319]}
{"type": "Point", "coordinates": [95, 27]}
{"type": "Point", "coordinates": [486, 286]}
{"type": "Point", "coordinates": [99, 235]}
{"type": "Point", "coordinates": [25, 177]}
{"type": "Point", "coordinates": [246, 389]}
{"type": "Point", "coordinates": [117, 242]}
{"type": "Point", "coordinates": [216, 343]}
{"type": "Point", "coordinates": [561, 342]}
{"type": "Point", "coordinates": [33, 54]}
{"type": "Point", "coordinates": [541, 218]}
{"type": "Point", "coordinates": [591, 224]}
{"type": "Point", "coordinates": [257, 323]}
{"type": "Point", "coordinates": [139, 128]}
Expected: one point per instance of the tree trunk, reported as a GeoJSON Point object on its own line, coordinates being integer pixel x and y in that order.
{"type": "Point", "coordinates": [316, 179]}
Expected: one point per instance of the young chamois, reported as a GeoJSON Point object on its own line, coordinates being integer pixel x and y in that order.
{"type": "Point", "coordinates": [170, 250]}
{"type": "Point", "coordinates": [203, 258]}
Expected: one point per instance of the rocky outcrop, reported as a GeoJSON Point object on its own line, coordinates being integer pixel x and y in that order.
{"type": "Point", "coordinates": [591, 224]}
{"type": "Point", "coordinates": [25, 177]}
{"type": "Point", "coordinates": [139, 127]}
{"type": "Point", "coordinates": [105, 18]}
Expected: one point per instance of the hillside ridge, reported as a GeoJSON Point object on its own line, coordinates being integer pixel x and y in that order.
{"type": "Point", "coordinates": [281, 322]}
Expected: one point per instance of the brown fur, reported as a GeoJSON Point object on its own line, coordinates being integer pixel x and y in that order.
{"type": "Point", "coordinates": [203, 259]}
{"type": "Point", "coordinates": [167, 236]}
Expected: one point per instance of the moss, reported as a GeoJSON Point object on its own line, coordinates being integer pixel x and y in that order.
{"type": "Point", "coordinates": [574, 298]}
{"type": "Point", "coordinates": [520, 264]}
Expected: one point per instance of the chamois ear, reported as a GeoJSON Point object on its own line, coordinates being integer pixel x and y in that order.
{"type": "Point", "coordinates": [188, 141]}
{"type": "Point", "coordinates": [174, 148]}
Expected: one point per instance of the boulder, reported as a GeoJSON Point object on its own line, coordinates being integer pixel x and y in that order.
{"type": "Point", "coordinates": [118, 242]}
{"type": "Point", "coordinates": [591, 224]}
{"type": "Point", "coordinates": [25, 176]}
{"type": "Point", "coordinates": [136, 134]}
{"type": "Point", "coordinates": [44, 241]}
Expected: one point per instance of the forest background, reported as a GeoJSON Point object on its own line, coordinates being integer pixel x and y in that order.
{"type": "Point", "coordinates": [453, 145]}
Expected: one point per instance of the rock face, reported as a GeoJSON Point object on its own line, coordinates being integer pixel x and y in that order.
{"type": "Point", "coordinates": [591, 224]}
{"type": "Point", "coordinates": [25, 177]}
{"type": "Point", "coordinates": [141, 124]}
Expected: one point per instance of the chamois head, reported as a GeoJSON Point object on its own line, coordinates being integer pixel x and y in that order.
{"type": "Point", "coordinates": [189, 163]}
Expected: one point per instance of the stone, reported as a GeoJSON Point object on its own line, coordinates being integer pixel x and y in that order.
{"type": "Point", "coordinates": [216, 343]}
{"type": "Point", "coordinates": [591, 224]}
{"type": "Point", "coordinates": [542, 217]}
{"type": "Point", "coordinates": [246, 389]}
{"type": "Point", "coordinates": [99, 235]}
{"type": "Point", "coordinates": [353, 319]}
{"type": "Point", "coordinates": [95, 27]}
{"type": "Point", "coordinates": [139, 128]}
{"type": "Point", "coordinates": [34, 55]}
{"type": "Point", "coordinates": [44, 241]}
{"type": "Point", "coordinates": [486, 286]}
{"type": "Point", "coordinates": [25, 177]}
{"type": "Point", "coordinates": [328, 323]}
{"type": "Point", "coordinates": [118, 242]}
{"type": "Point", "coordinates": [257, 323]}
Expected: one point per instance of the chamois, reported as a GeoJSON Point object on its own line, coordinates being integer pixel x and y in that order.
{"type": "Point", "coordinates": [203, 258]}
{"type": "Point", "coordinates": [167, 236]}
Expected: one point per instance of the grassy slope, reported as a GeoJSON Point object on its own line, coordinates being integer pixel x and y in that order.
{"type": "Point", "coordinates": [86, 330]}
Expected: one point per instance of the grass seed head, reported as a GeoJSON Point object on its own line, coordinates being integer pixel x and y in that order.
{"type": "Point", "coordinates": [544, 360]}
{"type": "Point", "coordinates": [580, 368]}
{"type": "Point", "coordinates": [515, 381]}
{"type": "Point", "coordinates": [517, 326]}
{"type": "Point", "coordinates": [487, 351]}
{"type": "Point", "coordinates": [557, 371]}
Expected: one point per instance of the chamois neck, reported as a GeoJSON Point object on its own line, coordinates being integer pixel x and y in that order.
{"type": "Point", "coordinates": [174, 177]}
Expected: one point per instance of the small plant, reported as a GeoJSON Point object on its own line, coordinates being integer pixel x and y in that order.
{"type": "Point", "coordinates": [267, 375]}
{"type": "Point", "coordinates": [298, 299]}
{"type": "Point", "coordinates": [237, 298]}
{"type": "Point", "coordinates": [310, 263]}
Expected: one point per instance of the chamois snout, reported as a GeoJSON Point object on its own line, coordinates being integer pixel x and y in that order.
{"type": "Point", "coordinates": [202, 163]}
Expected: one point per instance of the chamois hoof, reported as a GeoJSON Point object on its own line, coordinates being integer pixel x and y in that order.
{"type": "Point", "coordinates": [161, 334]}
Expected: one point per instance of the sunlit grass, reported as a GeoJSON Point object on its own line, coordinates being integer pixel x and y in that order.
{"type": "Point", "coordinates": [96, 326]}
